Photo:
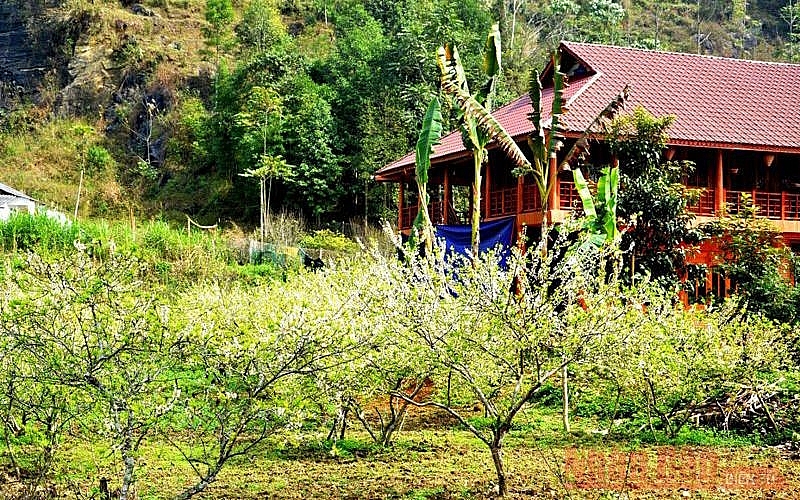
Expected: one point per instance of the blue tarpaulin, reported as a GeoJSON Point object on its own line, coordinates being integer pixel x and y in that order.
{"type": "Point", "coordinates": [497, 232]}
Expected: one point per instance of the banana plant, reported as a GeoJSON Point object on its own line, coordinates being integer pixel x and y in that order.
{"type": "Point", "coordinates": [429, 136]}
{"type": "Point", "coordinates": [478, 126]}
{"type": "Point", "coordinates": [545, 146]}
{"type": "Point", "coordinates": [600, 211]}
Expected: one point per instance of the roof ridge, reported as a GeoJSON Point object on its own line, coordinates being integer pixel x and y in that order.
{"type": "Point", "coordinates": [672, 52]}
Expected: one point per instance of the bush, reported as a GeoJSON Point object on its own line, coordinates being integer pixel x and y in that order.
{"type": "Point", "coordinates": [326, 239]}
{"type": "Point", "coordinates": [98, 159]}
{"type": "Point", "coordinates": [26, 232]}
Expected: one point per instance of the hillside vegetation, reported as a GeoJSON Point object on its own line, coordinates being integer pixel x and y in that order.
{"type": "Point", "coordinates": [164, 104]}
{"type": "Point", "coordinates": [139, 362]}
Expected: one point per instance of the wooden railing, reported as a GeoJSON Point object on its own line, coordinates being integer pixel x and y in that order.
{"type": "Point", "coordinates": [503, 202]}
{"type": "Point", "coordinates": [777, 206]}
{"type": "Point", "coordinates": [568, 195]}
{"type": "Point", "coordinates": [407, 216]}
{"type": "Point", "coordinates": [435, 211]}
{"type": "Point", "coordinates": [705, 204]}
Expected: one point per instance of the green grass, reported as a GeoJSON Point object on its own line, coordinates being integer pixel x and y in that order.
{"type": "Point", "coordinates": [443, 462]}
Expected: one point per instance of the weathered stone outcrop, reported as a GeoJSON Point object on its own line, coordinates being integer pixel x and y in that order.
{"type": "Point", "coordinates": [35, 45]}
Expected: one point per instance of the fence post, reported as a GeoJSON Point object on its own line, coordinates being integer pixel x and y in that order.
{"type": "Point", "coordinates": [783, 205]}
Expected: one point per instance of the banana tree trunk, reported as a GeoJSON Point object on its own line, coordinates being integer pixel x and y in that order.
{"type": "Point", "coordinates": [476, 204]}
{"type": "Point", "coordinates": [565, 389]}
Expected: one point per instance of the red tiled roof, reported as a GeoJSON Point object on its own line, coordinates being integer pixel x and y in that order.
{"type": "Point", "coordinates": [718, 102]}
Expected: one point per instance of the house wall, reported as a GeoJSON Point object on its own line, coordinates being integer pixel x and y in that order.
{"type": "Point", "coordinates": [18, 205]}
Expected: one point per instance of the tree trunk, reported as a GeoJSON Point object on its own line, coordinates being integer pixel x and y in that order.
{"type": "Point", "coordinates": [201, 485]}
{"type": "Point", "coordinates": [497, 458]}
{"type": "Point", "coordinates": [343, 427]}
{"type": "Point", "coordinates": [476, 205]}
{"type": "Point", "coordinates": [127, 476]}
{"type": "Point", "coordinates": [565, 389]}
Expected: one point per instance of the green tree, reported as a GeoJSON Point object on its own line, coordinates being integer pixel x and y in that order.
{"type": "Point", "coordinates": [261, 28]}
{"type": "Point", "coordinates": [604, 20]}
{"type": "Point", "coordinates": [790, 13]}
{"type": "Point", "coordinates": [315, 186]}
{"type": "Point", "coordinates": [219, 16]}
{"type": "Point", "coordinates": [654, 242]}
{"type": "Point", "coordinates": [257, 127]}
{"type": "Point", "coordinates": [270, 167]}
{"type": "Point", "coordinates": [757, 262]}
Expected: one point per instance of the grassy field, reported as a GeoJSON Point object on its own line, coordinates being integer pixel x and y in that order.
{"type": "Point", "coordinates": [216, 329]}
{"type": "Point", "coordinates": [435, 459]}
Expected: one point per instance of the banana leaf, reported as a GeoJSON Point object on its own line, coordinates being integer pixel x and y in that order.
{"type": "Point", "coordinates": [585, 195]}
{"type": "Point", "coordinates": [607, 196]}
{"type": "Point", "coordinates": [432, 128]}
{"type": "Point", "coordinates": [559, 107]}
{"type": "Point", "coordinates": [536, 137]}
{"type": "Point", "coordinates": [429, 136]}
{"type": "Point", "coordinates": [492, 67]}
{"type": "Point", "coordinates": [450, 66]}
{"type": "Point", "coordinates": [487, 123]}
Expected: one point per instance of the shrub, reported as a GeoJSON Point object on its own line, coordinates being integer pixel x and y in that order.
{"type": "Point", "coordinates": [98, 159]}
{"type": "Point", "coordinates": [26, 232]}
{"type": "Point", "coordinates": [328, 240]}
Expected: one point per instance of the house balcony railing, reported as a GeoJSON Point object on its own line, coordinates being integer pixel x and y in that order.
{"type": "Point", "coordinates": [507, 201]}
{"type": "Point", "coordinates": [772, 205]}
{"type": "Point", "coordinates": [705, 203]}
{"type": "Point", "coordinates": [777, 206]}
{"type": "Point", "coordinates": [503, 202]}
{"type": "Point", "coordinates": [409, 213]}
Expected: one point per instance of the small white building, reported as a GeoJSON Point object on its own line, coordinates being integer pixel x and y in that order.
{"type": "Point", "coordinates": [12, 200]}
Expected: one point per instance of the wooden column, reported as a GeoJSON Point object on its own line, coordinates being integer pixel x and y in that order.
{"type": "Point", "coordinates": [719, 186]}
{"type": "Point", "coordinates": [487, 189]}
{"type": "Point", "coordinates": [447, 196]}
{"type": "Point", "coordinates": [400, 205]}
{"type": "Point", "coordinates": [554, 200]}
{"type": "Point", "coordinates": [520, 190]}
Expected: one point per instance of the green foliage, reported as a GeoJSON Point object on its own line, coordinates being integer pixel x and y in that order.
{"type": "Point", "coordinates": [24, 232]}
{"type": "Point", "coordinates": [17, 121]}
{"type": "Point", "coordinates": [760, 266]}
{"type": "Point", "coordinates": [790, 13]}
{"type": "Point", "coordinates": [261, 27]}
{"type": "Point", "coordinates": [188, 147]}
{"type": "Point", "coordinates": [219, 15]}
{"type": "Point", "coordinates": [98, 159]}
{"type": "Point", "coordinates": [655, 242]}
{"type": "Point", "coordinates": [328, 240]}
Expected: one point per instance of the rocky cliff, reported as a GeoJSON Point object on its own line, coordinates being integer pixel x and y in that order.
{"type": "Point", "coordinates": [36, 42]}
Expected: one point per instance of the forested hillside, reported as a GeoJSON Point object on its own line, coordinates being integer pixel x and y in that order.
{"type": "Point", "coordinates": [171, 107]}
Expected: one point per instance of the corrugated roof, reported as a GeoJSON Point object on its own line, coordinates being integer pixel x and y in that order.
{"type": "Point", "coordinates": [8, 190]}
{"type": "Point", "coordinates": [718, 102]}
